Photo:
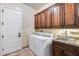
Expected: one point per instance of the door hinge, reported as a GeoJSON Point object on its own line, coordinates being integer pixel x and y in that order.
{"type": "Point", "coordinates": [2, 49]}
{"type": "Point", "coordinates": [2, 36]}
{"type": "Point", "coordinates": [2, 10]}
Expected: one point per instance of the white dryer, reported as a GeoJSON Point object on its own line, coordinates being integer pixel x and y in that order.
{"type": "Point", "coordinates": [40, 44]}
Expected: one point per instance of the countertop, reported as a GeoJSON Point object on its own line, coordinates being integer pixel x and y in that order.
{"type": "Point", "coordinates": [69, 42]}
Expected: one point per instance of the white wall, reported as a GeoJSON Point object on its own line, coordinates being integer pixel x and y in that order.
{"type": "Point", "coordinates": [44, 7]}
{"type": "Point", "coordinates": [27, 19]}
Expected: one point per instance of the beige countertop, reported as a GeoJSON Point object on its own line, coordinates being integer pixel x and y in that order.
{"type": "Point", "coordinates": [69, 42]}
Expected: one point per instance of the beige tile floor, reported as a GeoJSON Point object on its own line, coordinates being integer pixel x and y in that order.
{"type": "Point", "coordinates": [23, 52]}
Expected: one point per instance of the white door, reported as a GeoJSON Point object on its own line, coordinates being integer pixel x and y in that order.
{"type": "Point", "coordinates": [11, 30]}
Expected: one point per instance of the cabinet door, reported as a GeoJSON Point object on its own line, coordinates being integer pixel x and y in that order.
{"type": "Point", "coordinates": [48, 15]}
{"type": "Point", "coordinates": [57, 10]}
{"type": "Point", "coordinates": [77, 14]}
{"type": "Point", "coordinates": [57, 51]}
{"type": "Point", "coordinates": [69, 50]}
{"type": "Point", "coordinates": [52, 17]}
{"type": "Point", "coordinates": [69, 15]}
{"type": "Point", "coordinates": [68, 53]}
{"type": "Point", "coordinates": [36, 22]}
{"type": "Point", "coordinates": [39, 20]}
{"type": "Point", "coordinates": [77, 51]}
{"type": "Point", "coordinates": [43, 20]}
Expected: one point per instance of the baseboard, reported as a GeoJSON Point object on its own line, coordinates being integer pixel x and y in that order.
{"type": "Point", "coordinates": [11, 52]}
{"type": "Point", "coordinates": [16, 51]}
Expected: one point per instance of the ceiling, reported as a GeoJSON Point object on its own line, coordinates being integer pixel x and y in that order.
{"type": "Point", "coordinates": [36, 6]}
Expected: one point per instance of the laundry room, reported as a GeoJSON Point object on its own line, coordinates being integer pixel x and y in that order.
{"type": "Point", "coordinates": [39, 29]}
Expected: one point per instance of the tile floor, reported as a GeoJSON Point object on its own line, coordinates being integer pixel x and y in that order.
{"type": "Point", "coordinates": [23, 52]}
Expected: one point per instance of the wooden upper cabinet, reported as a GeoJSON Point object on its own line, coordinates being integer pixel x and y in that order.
{"type": "Point", "coordinates": [69, 14]}
{"type": "Point", "coordinates": [77, 14]}
{"type": "Point", "coordinates": [60, 15]}
{"type": "Point", "coordinates": [36, 21]}
{"type": "Point", "coordinates": [52, 17]}
{"type": "Point", "coordinates": [43, 19]}
{"type": "Point", "coordinates": [48, 17]}
{"type": "Point", "coordinates": [39, 21]}
{"type": "Point", "coordinates": [57, 16]}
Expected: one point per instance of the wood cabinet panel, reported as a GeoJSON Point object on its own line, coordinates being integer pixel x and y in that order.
{"type": "Point", "coordinates": [36, 21]}
{"type": "Point", "coordinates": [68, 50]}
{"type": "Point", "coordinates": [48, 18]}
{"type": "Point", "coordinates": [39, 20]}
{"type": "Point", "coordinates": [57, 51]}
{"type": "Point", "coordinates": [43, 19]}
{"type": "Point", "coordinates": [77, 14]}
{"type": "Point", "coordinates": [77, 50]}
{"type": "Point", "coordinates": [57, 10]}
{"type": "Point", "coordinates": [61, 49]}
{"type": "Point", "coordinates": [57, 16]}
{"type": "Point", "coordinates": [69, 14]}
{"type": "Point", "coordinates": [52, 17]}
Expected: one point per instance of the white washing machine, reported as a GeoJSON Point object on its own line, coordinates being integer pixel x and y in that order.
{"type": "Point", "coordinates": [40, 44]}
